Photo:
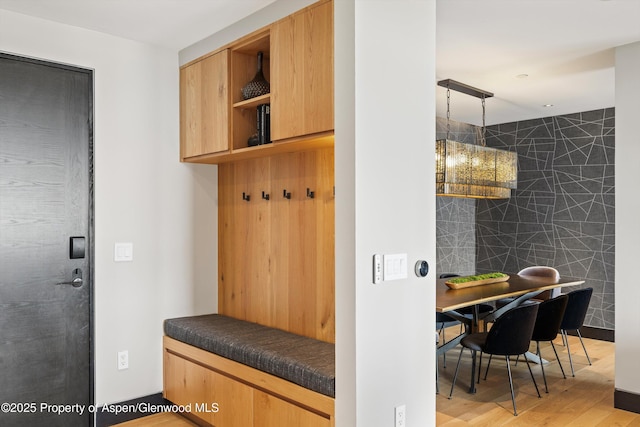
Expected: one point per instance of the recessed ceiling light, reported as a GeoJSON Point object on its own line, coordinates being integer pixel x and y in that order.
{"type": "Point", "coordinates": [522, 76]}
{"type": "Point", "coordinates": [548, 105]}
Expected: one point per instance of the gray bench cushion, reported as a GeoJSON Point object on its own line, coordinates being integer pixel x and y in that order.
{"type": "Point", "coordinates": [305, 361]}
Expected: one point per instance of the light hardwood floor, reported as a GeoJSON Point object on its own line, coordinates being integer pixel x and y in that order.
{"type": "Point", "coordinates": [165, 419]}
{"type": "Point", "coordinates": [583, 400]}
{"type": "Point", "coordinates": [580, 401]}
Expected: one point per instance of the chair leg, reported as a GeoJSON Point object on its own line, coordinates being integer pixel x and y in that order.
{"type": "Point", "coordinates": [472, 384]}
{"type": "Point", "coordinates": [544, 377]}
{"type": "Point", "coordinates": [532, 377]}
{"type": "Point", "coordinates": [583, 347]}
{"type": "Point", "coordinates": [558, 359]}
{"type": "Point", "coordinates": [479, 367]}
{"type": "Point", "coordinates": [437, 378]}
{"type": "Point", "coordinates": [566, 341]}
{"type": "Point", "coordinates": [513, 396]}
{"type": "Point", "coordinates": [444, 355]}
{"type": "Point", "coordinates": [455, 375]}
{"type": "Point", "coordinates": [488, 364]}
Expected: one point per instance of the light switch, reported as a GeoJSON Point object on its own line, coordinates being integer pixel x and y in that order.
{"type": "Point", "coordinates": [123, 252]}
{"type": "Point", "coordinates": [395, 266]}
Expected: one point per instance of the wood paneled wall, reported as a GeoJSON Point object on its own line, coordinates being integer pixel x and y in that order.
{"type": "Point", "coordinates": [276, 256]}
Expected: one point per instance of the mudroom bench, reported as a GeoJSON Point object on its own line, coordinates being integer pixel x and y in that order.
{"type": "Point", "coordinates": [233, 373]}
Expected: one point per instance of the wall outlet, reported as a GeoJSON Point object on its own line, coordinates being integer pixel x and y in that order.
{"type": "Point", "coordinates": [123, 360]}
{"type": "Point", "coordinates": [401, 414]}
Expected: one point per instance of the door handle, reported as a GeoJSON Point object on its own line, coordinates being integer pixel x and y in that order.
{"type": "Point", "coordinates": [76, 279]}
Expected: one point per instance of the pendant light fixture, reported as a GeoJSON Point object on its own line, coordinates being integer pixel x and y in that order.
{"type": "Point", "coordinates": [473, 171]}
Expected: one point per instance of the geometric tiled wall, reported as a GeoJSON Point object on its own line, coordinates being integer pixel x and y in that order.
{"type": "Point", "coordinates": [562, 213]}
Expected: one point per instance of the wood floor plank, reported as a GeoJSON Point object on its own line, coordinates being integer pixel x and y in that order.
{"type": "Point", "coordinates": [164, 419]}
{"type": "Point", "coordinates": [583, 400]}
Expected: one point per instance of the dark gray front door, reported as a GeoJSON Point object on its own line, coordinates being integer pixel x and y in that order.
{"type": "Point", "coordinates": [46, 116]}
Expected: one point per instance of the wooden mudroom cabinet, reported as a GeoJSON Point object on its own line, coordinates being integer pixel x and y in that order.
{"type": "Point", "coordinates": [204, 106]}
{"type": "Point", "coordinates": [216, 122]}
{"type": "Point", "coordinates": [302, 71]}
{"type": "Point", "coordinates": [276, 216]}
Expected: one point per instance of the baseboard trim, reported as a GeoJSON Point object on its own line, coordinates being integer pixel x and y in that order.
{"type": "Point", "coordinates": [106, 415]}
{"type": "Point", "coordinates": [626, 401]}
{"type": "Point", "coordinates": [596, 333]}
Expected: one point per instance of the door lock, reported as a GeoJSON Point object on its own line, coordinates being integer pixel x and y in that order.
{"type": "Point", "coordinates": [76, 279]}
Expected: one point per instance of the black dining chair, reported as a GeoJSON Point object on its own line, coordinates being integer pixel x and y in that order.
{"type": "Point", "coordinates": [510, 335]}
{"type": "Point", "coordinates": [550, 314]}
{"type": "Point", "coordinates": [536, 271]}
{"type": "Point", "coordinates": [573, 319]}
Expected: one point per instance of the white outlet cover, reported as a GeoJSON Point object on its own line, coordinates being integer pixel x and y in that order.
{"type": "Point", "coordinates": [123, 360]}
{"type": "Point", "coordinates": [401, 416]}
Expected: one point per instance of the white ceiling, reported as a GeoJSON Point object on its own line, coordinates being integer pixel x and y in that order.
{"type": "Point", "coordinates": [566, 47]}
{"type": "Point", "coordinates": [171, 23]}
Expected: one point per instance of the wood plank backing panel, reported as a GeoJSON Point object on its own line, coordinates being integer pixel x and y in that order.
{"type": "Point", "coordinates": [230, 227]}
{"type": "Point", "coordinates": [325, 240]}
{"type": "Point", "coordinates": [276, 256]}
{"type": "Point", "coordinates": [257, 240]}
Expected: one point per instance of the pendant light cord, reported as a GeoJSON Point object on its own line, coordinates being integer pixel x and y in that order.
{"type": "Point", "coordinates": [448, 111]}
{"type": "Point", "coordinates": [483, 138]}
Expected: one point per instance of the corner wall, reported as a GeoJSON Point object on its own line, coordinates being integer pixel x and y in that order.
{"type": "Point", "coordinates": [627, 379]}
{"type": "Point", "coordinates": [385, 204]}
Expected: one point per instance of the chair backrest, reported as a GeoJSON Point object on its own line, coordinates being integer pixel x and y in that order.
{"type": "Point", "coordinates": [550, 314]}
{"type": "Point", "coordinates": [511, 333]}
{"type": "Point", "coordinates": [540, 271]}
{"type": "Point", "coordinates": [576, 309]}
{"type": "Point", "coordinates": [543, 271]}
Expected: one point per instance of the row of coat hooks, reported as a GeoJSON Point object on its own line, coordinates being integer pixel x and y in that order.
{"type": "Point", "coordinates": [286, 194]}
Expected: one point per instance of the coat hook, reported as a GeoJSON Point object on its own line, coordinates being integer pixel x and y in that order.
{"type": "Point", "coordinates": [311, 194]}
{"type": "Point", "coordinates": [286, 194]}
{"type": "Point", "coordinates": [245, 197]}
{"type": "Point", "coordinates": [265, 195]}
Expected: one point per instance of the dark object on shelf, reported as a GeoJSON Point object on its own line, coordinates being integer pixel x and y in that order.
{"type": "Point", "coordinates": [263, 117]}
{"type": "Point", "coordinates": [259, 85]}
{"type": "Point", "coordinates": [253, 140]}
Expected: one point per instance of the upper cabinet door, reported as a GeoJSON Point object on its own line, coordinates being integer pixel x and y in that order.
{"type": "Point", "coordinates": [302, 73]}
{"type": "Point", "coordinates": [204, 106]}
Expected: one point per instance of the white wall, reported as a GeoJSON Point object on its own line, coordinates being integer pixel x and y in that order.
{"type": "Point", "coordinates": [271, 13]}
{"type": "Point", "coordinates": [385, 203]}
{"type": "Point", "coordinates": [142, 195]}
{"type": "Point", "coordinates": [627, 226]}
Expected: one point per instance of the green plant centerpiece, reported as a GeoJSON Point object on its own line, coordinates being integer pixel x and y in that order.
{"type": "Point", "coordinates": [477, 277]}
{"type": "Point", "coordinates": [475, 280]}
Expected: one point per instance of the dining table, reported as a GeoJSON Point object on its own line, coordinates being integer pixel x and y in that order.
{"type": "Point", "coordinates": [518, 288]}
